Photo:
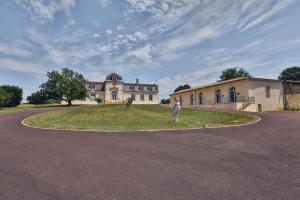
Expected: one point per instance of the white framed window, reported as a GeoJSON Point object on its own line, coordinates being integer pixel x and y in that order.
{"type": "Point", "coordinates": [150, 97]}
{"type": "Point", "coordinates": [92, 87]}
{"type": "Point", "coordinates": [142, 97]}
{"type": "Point", "coordinates": [133, 97]}
{"type": "Point", "coordinates": [93, 97]}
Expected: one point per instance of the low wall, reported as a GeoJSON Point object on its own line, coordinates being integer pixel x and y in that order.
{"type": "Point", "coordinates": [220, 106]}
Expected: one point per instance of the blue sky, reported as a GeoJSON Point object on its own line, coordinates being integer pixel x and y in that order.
{"type": "Point", "coordinates": [169, 42]}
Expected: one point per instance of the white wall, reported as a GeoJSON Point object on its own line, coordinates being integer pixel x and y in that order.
{"type": "Point", "coordinates": [257, 89]}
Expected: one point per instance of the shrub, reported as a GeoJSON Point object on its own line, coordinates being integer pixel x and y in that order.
{"type": "Point", "coordinates": [98, 100]}
{"type": "Point", "coordinates": [165, 101]}
{"type": "Point", "coordinates": [294, 108]}
{"type": "Point", "coordinates": [129, 102]}
{"type": "Point", "coordinates": [15, 95]}
{"type": "Point", "coordinates": [38, 97]}
{"type": "Point", "coordinates": [4, 98]}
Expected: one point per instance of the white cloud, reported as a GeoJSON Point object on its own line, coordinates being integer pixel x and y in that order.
{"type": "Point", "coordinates": [143, 54]}
{"type": "Point", "coordinates": [95, 35]}
{"type": "Point", "coordinates": [21, 66]}
{"type": "Point", "coordinates": [154, 31]}
{"type": "Point", "coordinates": [43, 11]}
{"type": "Point", "coordinates": [104, 3]}
{"type": "Point", "coordinates": [259, 11]}
{"type": "Point", "coordinates": [191, 39]}
{"type": "Point", "coordinates": [141, 5]}
{"type": "Point", "coordinates": [11, 50]}
{"type": "Point", "coordinates": [108, 31]}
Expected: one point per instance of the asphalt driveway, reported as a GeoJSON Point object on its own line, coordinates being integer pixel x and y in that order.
{"type": "Point", "coordinates": [259, 161]}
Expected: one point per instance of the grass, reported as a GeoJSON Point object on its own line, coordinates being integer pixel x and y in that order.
{"type": "Point", "coordinates": [24, 107]}
{"type": "Point", "coordinates": [137, 117]}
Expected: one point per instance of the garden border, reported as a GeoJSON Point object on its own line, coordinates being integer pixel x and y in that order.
{"type": "Point", "coordinates": [258, 119]}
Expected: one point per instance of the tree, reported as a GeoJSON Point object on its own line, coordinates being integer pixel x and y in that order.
{"type": "Point", "coordinates": [4, 98]}
{"type": "Point", "coordinates": [129, 102]}
{"type": "Point", "coordinates": [165, 101]}
{"type": "Point", "coordinates": [182, 87]}
{"type": "Point", "coordinates": [38, 97]}
{"type": "Point", "coordinates": [98, 100]}
{"type": "Point", "coordinates": [234, 72]}
{"type": "Point", "coordinates": [292, 74]}
{"type": "Point", "coordinates": [15, 95]}
{"type": "Point", "coordinates": [65, 86]}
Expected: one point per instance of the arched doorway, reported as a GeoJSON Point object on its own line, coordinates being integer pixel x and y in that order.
{"type": "Point", "coordinates": [218, 96]}
{"type": "Point", "coordinates": [232, 94]}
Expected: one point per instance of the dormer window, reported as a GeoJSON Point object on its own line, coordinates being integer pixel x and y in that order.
{"type": "Point", "coordinates": [114, 77]}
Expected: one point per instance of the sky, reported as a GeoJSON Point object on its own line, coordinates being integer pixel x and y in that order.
{"type": "Point", "coordinates": [168, 42]}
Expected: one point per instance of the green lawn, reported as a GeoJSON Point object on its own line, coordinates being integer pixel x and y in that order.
{"type": "Point", "coordinates": [137, 117]}
{"type": "Point", "coordinates": [25, 107]}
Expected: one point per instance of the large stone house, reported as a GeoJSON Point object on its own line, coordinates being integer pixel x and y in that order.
{"type": "Point", "coordinates": [115, 91]}
{"type": "Point", "coordinates": [247, 94]}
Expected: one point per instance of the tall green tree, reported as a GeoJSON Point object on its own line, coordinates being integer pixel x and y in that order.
{"type": "Point", "coordinates": [291, 73]}
{"type": "Point", "coordinates": [165, 101]}
{"type": "Point", "coordinates": [182, 87]}
{"type": "Point", "coordinates": [38, 97]}
{"type": "Point", "coordinates": [66, 85]}
{"type": "Point", "coordinates": [4, 98]}
{"type": "Point", "coordinates": [15, 95]}
{"type": "Point", "coordinates": [233, 72]}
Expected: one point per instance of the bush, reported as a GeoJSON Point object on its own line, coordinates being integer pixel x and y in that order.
{"type": "Point", "coordinates": [4, 98]}
{"type": "Point", "coordinates": [294, 108]}
{"type": "Point", "coordinates": [165, 101]}
{"type": "Point", "coordinates": [98, 100]}
{"type": "Point", "coordinates": [129, 102]}
{"type": "Point", "coordinates": [15, 95]}
{"type": "Point", "coordinates": [38, 97]}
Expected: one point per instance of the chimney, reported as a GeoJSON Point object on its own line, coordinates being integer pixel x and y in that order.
{"type": "Point", "coordinates": [137, 81]}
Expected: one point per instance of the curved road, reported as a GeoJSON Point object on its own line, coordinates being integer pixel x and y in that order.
{"type": "Point", "coordinates": [259, 161]}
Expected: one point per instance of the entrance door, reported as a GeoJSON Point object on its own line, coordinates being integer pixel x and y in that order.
{"type": "Point", "coordinates": [114, 96]}
{"type": "Point", "coordinates": [232, 94]}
